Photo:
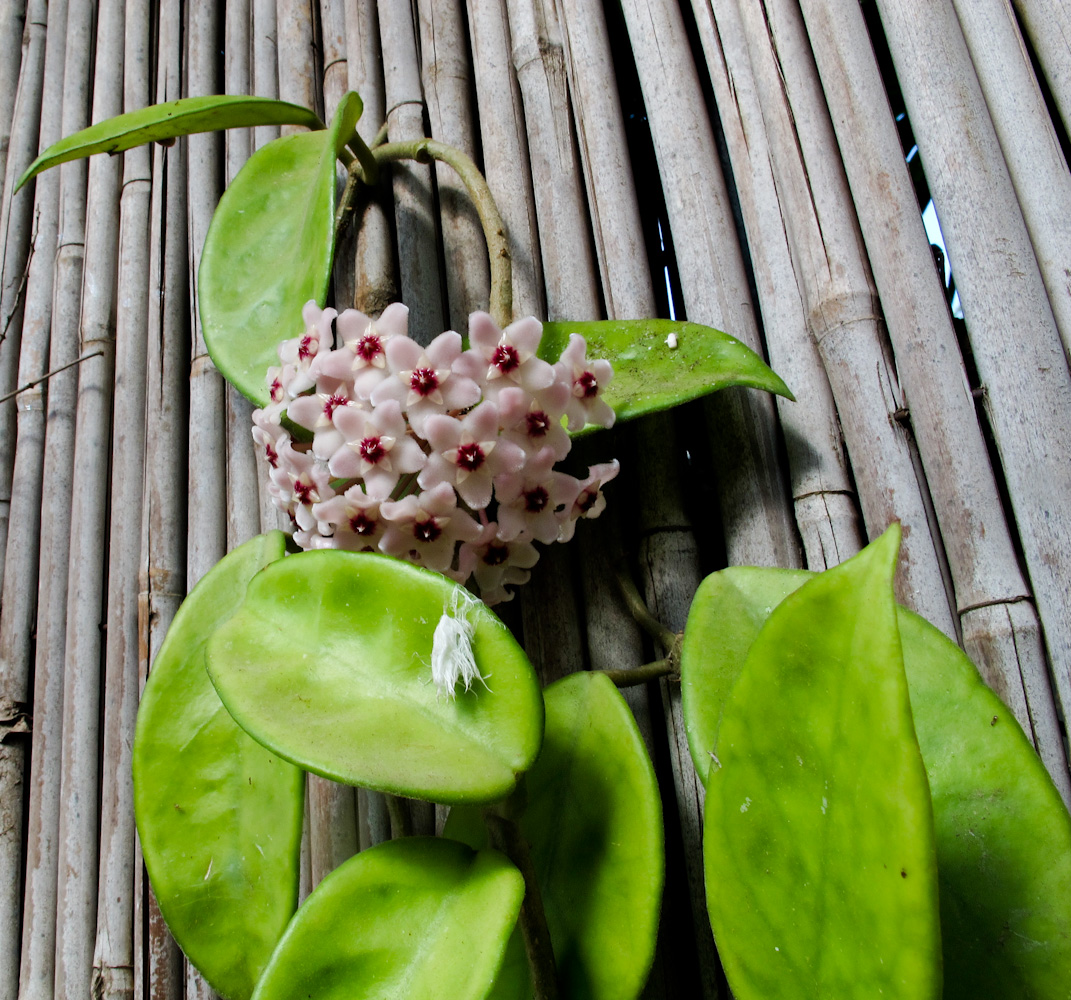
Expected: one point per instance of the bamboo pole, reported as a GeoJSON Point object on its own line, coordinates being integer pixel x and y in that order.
{"type": "Point", "coordinates": [823, 493]}
{"type": "Point", "coordinates": [414, 210]}
{"type": "Point", "coordinates": [446, 73]}
{"type": "Point", "coordinates": [1049, 27]}
{"type": "Point", "coordinates": [265, 63]}
{"type": "Point", "coordinates": [505, 149]}
{"type": "Point", "coordinates": [243, 507]}
{"type": "Point", "coordinates": [1026, 379]}
{"type": "Point", "coordinates": [997, 629]}
{"type": "Point", "coordinates": [1027, 140]}
{"type": "Point", "coordinates": [206, 526]}
{"type": "Point", "coordinates": [375, 283]}
{"type": "Point", "coordinates": [16, 242]}
{"type": "Point", "coordinates": [297, 54]}
{"type": "Point", "coordinates": [20, 579]}
{"type": "Point", "coordinates": [80, 765]}
{"type": "Point", "coordinates": [549, 600]}
{"type": "Point", "coordinates": [757, 520]}
{"type": "Point", "coordinates": [113, 963]}
{"type": "Point", "coordinates": [164, 504]}
{"type": "Point", "coordinates": [842, 311]}
{"type": "Point", "coordinates": [12, 24]}
{"type": "Point", "coordinates": [569, 266]}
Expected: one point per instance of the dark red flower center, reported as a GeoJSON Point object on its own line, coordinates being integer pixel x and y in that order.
{"type": "Point", "coordinates": [272, 456]}
{"type": "Point", "coordinates": [369, 347]}
{"type": "Point", "coordinates": [505, 358]}
{"type": "Point", "coordinates": [362, 524]}
{"type": "Point", "coordinates": [470, 456]}
{"type": "Point", "coordinates": [276, 390]}
{"type": "Point", "coordinates": [303, 491]}
{"type": "Point", "coordinates": [427, 531]}
{"type": "Point", "coordinates": [372, 450]}
{"type": "Point", "coordinates": [424, 381]}
{"type": "Point", "coordinates": [586, 500]}
{"type": "Point", "coordinates": [536, 499]}
{"type": "Point", "coordinates": [587, 384]}
{"type": "Point", "coordinates": [538, 423]}
{"type": "Point", "coordinates": [496, 554]}
{"type": "Point", "coordinates": [304, 350]}
{"type": "Point", "coordinates": [333, 402]}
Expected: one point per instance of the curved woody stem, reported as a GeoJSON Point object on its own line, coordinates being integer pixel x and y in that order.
{"type": "Point", "coordinates": [494, 229]}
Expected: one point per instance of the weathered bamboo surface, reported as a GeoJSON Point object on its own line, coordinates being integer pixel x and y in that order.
{"type": "Point", "coordinates": [753, 181]}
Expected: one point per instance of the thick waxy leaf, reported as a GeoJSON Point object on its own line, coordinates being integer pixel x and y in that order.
{"type": "Point", "coordinates": [413, 919]}
{"type": "Point", "coordinates": [649, 375]}
{"type": "Point", "coordinates": [328, 663]}
{"type": "Point", "coordinates": [727, 613]}
{"type": "Point", "coordinates": [268, 250]}
{"type": "Point", "coordinates": [593, 818]}
{"type": "Point", "coordinates": [1003, 835]}
{"type": "Point", "coordinates": [219, 817]}
{"type": "Point", "coordinates": [168, 121]}
{"type": "Point", "coordinates": [819, 839]}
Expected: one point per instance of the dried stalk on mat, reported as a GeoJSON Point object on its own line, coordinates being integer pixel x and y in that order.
{"type": "Point", "coordinates": [1026, 379]}
{"type": "Point", "coordinates": [113, 962]}
{"type": "Point", "coordinates": [298, 79]}
{"type": "Point", "coordinates": [17, 609]}
{"type": "Point", "coordinates": [80, 768]}
{"type": "Point", "coordinates": [16, 240]}
{"type": "Point", "coordinates": [1027, 140]}
{"type": "Point", "coordinates": [505, 149]}
{"type": "Point", "coordinates": [414, 210]}
{"type": "Point", "coordinates": [1048, 26]}
{"type": "Point", "coordinates": [447, 78]}
{"type": "Point", "coordinates": [980, 553]}
{"type": "Point", "coordinates": [826, 508]}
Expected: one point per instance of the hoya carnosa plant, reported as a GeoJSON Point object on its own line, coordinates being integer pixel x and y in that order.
{"type": "Point", "coordinates": [438, 455]}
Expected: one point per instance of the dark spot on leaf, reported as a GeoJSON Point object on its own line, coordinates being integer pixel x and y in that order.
{"type": "Point", "coordinates": [994, 722]}
{"type": "Point", "coordinates": [903, 873]}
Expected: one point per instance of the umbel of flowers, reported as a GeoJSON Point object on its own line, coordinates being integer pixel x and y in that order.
{"type": "Point", "coordinates": [438, 455]}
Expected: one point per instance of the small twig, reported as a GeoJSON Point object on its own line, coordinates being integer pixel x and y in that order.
{"type": "Point", "coordinates": [21, 290]}
{"type": "Point", "coordinates": [506, 837]}
{"type": "Point", "coordinates": [669, 667]}
{"type": "Point", "coordinates": [48, 375]}
{"type": "Point", "coordinates": [668, 639]}
{"type": "Point", "coordinates": [381, 135]}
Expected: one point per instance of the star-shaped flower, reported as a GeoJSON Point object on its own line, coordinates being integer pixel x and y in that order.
{"type": "Point", "coordinates": [425, 527]}
{"type": "Point", "coordinates": [588, 380]}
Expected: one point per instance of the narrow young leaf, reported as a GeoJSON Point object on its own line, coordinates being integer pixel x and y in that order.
{"type": "Point", "coordinates": [269, 250]}
{"type": "Point", "coordinates": [819, 838]}
{"type": "Point", "coordinates": [219, 817]}
{"type": "Point", "coordinates": [168, 121]}
{"type": "Point", "coordinates": [660, 363]}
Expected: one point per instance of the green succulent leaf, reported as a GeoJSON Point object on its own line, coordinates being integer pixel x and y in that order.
{"type": "Point", "coordinates": [1003, 835]}
{"type": "Point", "coordinates": [269, 250]}
{"type": "Point", "coordinates": [327, 663]}
{"type": "Point", "coordinates": [168, 121]}
{"type": "Point", "coordinates": [219, 817]}
{"type": "Point", "coordinates": [819, 836]}
{"type": "Point", "coordinates": [412, 919]}
{"type": "Point", "coordinates": [591, 812]}
{"type": "Point", "coordinates": [649, 375]}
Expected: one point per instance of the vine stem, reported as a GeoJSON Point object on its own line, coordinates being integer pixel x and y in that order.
{"type": "Point", "coordinates": [637, 607]}
{"type": "Point", "coordinates": [506, 837]}
{"type": "Point", "coordinates": [641, 675]}
{"type": "Point", "coordinates": [494, 229]}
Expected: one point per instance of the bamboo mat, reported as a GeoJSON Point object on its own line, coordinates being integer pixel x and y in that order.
{"type": "Point", "coordinates": [735, 164]}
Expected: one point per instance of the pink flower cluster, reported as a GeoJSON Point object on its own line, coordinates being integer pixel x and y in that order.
{"type": "Point", "coordinates": [438, 455]}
